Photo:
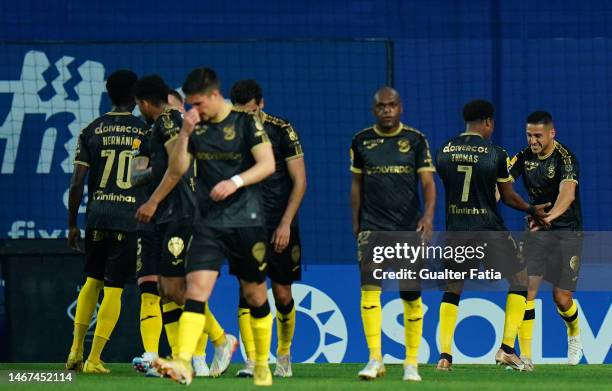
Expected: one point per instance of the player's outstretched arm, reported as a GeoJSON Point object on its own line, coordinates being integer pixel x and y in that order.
{"type": "Point", "coordinates": [356, 197]}
{"type": "Point", "coordinates": [178, 164]}
{"type": "Point", "coordinates": [297, 173]}
{"type": "Point", "coordinates": [515, 201]}
{"type": "Point", "coordinates": [75, 196]}
{"type": "Point", "coordinates": [264, 167]}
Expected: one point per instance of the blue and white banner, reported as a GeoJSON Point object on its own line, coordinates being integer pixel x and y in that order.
{"type": "Point", "coordinates": [329, 325]}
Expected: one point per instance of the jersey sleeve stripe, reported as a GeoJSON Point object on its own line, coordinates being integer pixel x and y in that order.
{"type": "Point", "coordinates": [569, 180]}
{"type": "Point", "coordinates": [503, 180]}
{"type": "Point", "coordinates": [296, 156]}
{"type": "Point", "coordinates": [356, 170]}
{"type": "Point", "coordinates": [81, 163]}
{"type": "Point", "coordinates": [426, 169]}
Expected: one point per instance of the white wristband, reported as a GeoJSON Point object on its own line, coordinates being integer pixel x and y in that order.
{"type": "Point", "coordinates": [237, 181]}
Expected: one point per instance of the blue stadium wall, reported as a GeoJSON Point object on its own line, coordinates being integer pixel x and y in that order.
{"type": "Point", "coordinates": [319, 63]}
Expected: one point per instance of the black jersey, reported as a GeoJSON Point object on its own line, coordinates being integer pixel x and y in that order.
{"type": "Point", "coordinates": [105, 146]}
{"type": "Point", "coordinates": [542, 177]}
{"type": "Point", "coordinates": [180, 204]}
{"type": "Point", "coordinates": [277, 187]}
{"type": "Point", "coordinates": [222, 150]}
{"type": "Point", "coordinates": [470, 168]}
{"type": "Point", "coordinates": [389, 164]}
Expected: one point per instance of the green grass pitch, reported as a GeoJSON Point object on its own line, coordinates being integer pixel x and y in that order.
{"type": "Point", "coordinates": [318, 377]}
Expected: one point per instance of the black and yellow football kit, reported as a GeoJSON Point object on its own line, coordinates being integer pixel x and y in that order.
{"type": "Point", "coordinates": [554, 252]}
{"type": "Point", "coordinates": [389, 164]}
{"type": "Point", "coordinates": [105, 146]}
{"type": "Point", "coordinates": [470, 168]}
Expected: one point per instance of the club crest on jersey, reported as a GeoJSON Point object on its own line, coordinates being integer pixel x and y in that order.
{"type": "Point", "coordinates": [295, 254]}
{"type": "Point", "coordinates": [176, 246]}
{"type": "Point", "coordinates": [404, 146]}
{"type": "Point", "coordinates": [551, 172]}
{"type": "Point", "coordinates": [229, 133]}
{"type": "Point", "coordinates": [371, 144]}
{"type": "Point", "coordinates": [168, 124]}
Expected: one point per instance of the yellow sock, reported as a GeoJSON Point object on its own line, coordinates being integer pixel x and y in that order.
{"type": "Point", "coordinates": [213, 328]}
{"type": "Point", "coordinates": [449, 309]}
{"type": "Point", "coordinates": [285, 327]}
{"type": "Point", "coordinates": [246, 334]}
{"type": "Point", "coordinates": [515, 311]}
{"type": "Point", "coordinates": [150, 322]}
{"type": "Point", "coordinates": [190, 328]}
{"type": "Point", "coordinates": [86, 304]}
{"type": "Point", "coordinates": [200, 349]}
{"type": "Point", "coordinates": [525, 333]}
{"type": "Point", "coordinates": [262, 337]}
{"type": "Point", "coordinates": [107, 319]}
{"type": "Point", "coordinates": [413, 329]}
{"type": "Point", "coordinates": [171, 313]}
{"type": "Point", "coordinates": [571, 319]}
{"type": "Point", "coordinates": [371, 316]}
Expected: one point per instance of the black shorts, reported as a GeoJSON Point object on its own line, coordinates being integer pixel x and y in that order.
{"type": "Point", "coordinates": [554, 255]}
{"type": "Point", "coordinates": [163, 249]}
{"type": "Point", "coordinates": [110, 256]}
{"type": "Point", "coordinates": [488, 250]}
{"type": "Point", "coordinates": [286, 267]}
{"type": "Point", "coordinates": [246, 249]}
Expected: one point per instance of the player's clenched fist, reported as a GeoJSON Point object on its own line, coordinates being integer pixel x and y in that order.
{"type": "Point", "coordinates": [190, 120]}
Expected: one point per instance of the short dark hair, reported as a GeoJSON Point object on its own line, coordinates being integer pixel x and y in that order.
{"type": "Point", "coordinates": [540, 117]}
{"type": "Point", "coordinates": [177, 95]}
{"type": "Point", "coordinates": [119, 87]}
{"type": "Point", "coordinates": [201, 81]}
{"type": "Point", "coordinates": [478, 110]}
{"type": "Point", "coordinates": [152, 88]}
{"type": "Point", "coordinates": [243, 91]}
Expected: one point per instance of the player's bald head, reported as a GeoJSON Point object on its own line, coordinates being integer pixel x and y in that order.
{"type": "Point", "coordinates": [386, 94]}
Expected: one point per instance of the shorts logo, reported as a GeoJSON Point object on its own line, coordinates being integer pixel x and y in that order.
{"type": "Point", "coordinates": [551, 172]}
{"type": "Point", "coordinates": [295, 254]}
{"type": "Point", "coordinates": [229, 132]}
{"type": "Point", "coordinates": [575, 263]}
{"type": "Point", "coordinates": [139, 255]}
{"type": "Point", "coordinates": [404, 146]}
{"type": "Point", "coordinates": [259, 253]}
{"type": "Point", "coordinates": [177, 262]}
{"type": "Point", "coordinates": [176, 246]}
